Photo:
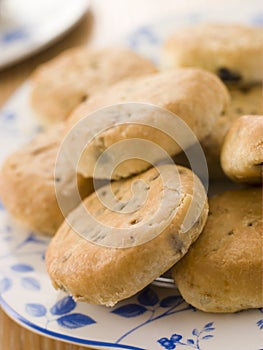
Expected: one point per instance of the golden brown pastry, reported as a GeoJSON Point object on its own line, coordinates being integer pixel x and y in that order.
{"type": "Point", "coordinates": [232, 51]}
{"type": "Point", "coordinates": [197, 97]}
{"type": "Point", "coordinates": [158, 224]}
{"type": "Point", "coordinates": [222, 272]}
{"type": "Point", "coordinates": [242, 151]}
{"type": "Point", "coordinates": [61, 84]}
{"type": "Point", "coordinates": [246, 101]}
{"type": "Point", "coordinates": [27, 184]}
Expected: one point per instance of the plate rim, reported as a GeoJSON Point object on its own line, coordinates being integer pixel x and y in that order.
{"type": "Point", "coordinates": [16, 317]}
{"type": "Point", "coordinates": [42, 45]}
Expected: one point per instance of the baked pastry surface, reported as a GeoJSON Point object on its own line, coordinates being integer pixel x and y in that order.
{"type": "Point", "coordinates": [197, 97]}
{"type": "Point", "coordinates": [232, 51]}
{"type": "Point", "coordinates": [101, 274]}
{"type": "Point", "coordinates": [28, 184]}
{"type": "Point", "coordinates": [61, 84]}
{"type": "Point", "coordinates": [222, 271]}
{"type": "Point", "coordinates": [242, 151]}
{"type": "Point", "coordinates": [247, 101]}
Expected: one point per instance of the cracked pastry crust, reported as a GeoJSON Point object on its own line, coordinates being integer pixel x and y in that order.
{"type": "Point", "coordinates": [242, 151]}
{"type": "Point", "coordinates": [27, 183]}
{"type": "Point", "coordinates": [232, 51]}
{"type": "Point", "coordinates": [105, 275]}
{"type": "Point", "coordinates": [61, 84]}
{"type": "Point", "coordinates": [222, 271]}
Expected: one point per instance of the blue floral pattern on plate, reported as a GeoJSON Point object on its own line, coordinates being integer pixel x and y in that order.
{"type": "Point", "coordinates": [176, 340]}
{"type": "Point", "coordinates": [153, 319]}
{"type": "Point", "coordinates": [61, 308]}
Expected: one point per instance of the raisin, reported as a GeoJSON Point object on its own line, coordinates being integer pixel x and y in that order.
{"type": "Point", "coordinates": [176, 243]}
{"type": "Point", "coordinates": [135, 221]}
{"type": "Point", "coordinates": [245, 89]}
{"type": "Point", "coordinates": [227, 75]}
{"type": "Point", "coordinates": [84, 98]}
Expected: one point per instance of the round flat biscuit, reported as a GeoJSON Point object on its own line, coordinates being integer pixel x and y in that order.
{"type": "Point", "coordinates": [247, 101]}
{"type": "Point", "coordinates": [64, 82]}
{"type": "Point", "coordinates": [194, 95]}
{"type": "Point", "coordinates": [102, 274]}
{"type": "Point", "coordinates": [222, 271]}
{"type": "Point", "coordinates": [232, 51]}
{"type": "Point", "coordinates": [242, 151]}
{"type": "Point", "coordinates": [27, 184]}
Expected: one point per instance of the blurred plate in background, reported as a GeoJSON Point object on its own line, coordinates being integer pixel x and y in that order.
{"type": "Point", "coordinates": [28, 26]}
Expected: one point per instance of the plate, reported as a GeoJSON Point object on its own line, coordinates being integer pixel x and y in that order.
{"type": "Point", "coordinates": [28, 26]}
{"type": "Point", "coordinates": [154, 319]}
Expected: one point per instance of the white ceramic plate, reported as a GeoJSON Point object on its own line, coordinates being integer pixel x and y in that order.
{"type": "Point", "coordinates": [156, 318]}
{"type": "Point", "coordinates": [26, 26]}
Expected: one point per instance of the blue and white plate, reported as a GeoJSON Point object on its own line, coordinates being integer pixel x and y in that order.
{"type": "Point", "coordinates": [26, 26]}
{"type": "Point", "coordinates": [154, 319]}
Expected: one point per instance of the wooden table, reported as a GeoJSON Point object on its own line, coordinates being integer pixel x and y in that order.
{"type": "Point", "coordinates": [105, 22]}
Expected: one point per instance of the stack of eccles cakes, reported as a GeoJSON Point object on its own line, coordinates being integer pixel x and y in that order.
{"type": "Point", "coordinates": [211, 78]}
